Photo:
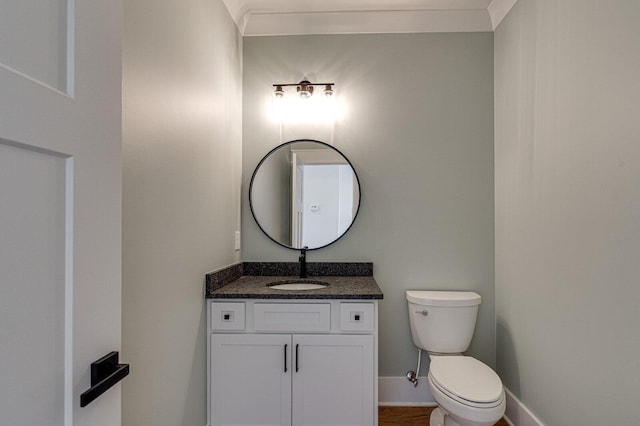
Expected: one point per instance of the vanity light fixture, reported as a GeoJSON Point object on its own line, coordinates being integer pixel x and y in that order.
{"type": "Point", "coordinates": [314, 103]}
{"type": "Point", "coordinates": [304, 89]}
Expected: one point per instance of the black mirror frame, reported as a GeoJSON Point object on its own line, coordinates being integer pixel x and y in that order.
{"type": "Point", "coordinates": [255, 171]}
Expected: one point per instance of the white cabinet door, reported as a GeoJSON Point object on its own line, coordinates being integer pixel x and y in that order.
{"type": "Point", "coordinates": [333, 380]}
{"type": "Point", "coordinates": [250, 379]}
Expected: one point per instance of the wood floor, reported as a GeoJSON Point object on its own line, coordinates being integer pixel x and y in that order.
{"type": "Point", "coordinates": [410, 416]}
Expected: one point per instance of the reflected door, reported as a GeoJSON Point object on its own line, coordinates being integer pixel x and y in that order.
{"type": "Point", "coordinates": [327, 206]}
{"type": "Point", "coordinates": [297, 204]}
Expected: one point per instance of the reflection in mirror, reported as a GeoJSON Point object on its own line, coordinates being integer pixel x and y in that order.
{"type": "Point", "coordinates": [304, 193]}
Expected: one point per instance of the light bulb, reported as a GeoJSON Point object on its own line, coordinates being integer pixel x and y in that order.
{"type": "Point", "coordinates": [305, 89]}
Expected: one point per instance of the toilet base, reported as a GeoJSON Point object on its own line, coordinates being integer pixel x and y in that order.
{"type": "Point", "coordinates": [437, 417]}
{"type": "Point", "coordinates": [440, 417]}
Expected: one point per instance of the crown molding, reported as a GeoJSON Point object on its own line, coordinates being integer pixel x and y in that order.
{"type": "Point", "coordinates": [463, 18]}
{"type": "Point", "coordinates": [498, 9]}
{"type": "Point", "coordinates": [363, 22]}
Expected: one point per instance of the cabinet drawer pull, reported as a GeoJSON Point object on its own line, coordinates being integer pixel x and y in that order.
{"type": "Point", "coordinates": [285, 358]}
{"type": "Point", "coordinates": [297, 345]}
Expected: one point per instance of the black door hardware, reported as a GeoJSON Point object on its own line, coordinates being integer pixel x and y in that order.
{"type": "Point", "coordinates": [105, 373]}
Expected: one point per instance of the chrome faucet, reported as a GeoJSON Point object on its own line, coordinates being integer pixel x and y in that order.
{"type": "Point", "coordinates": [303, 262]}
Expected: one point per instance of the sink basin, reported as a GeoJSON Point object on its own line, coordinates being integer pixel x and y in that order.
{"type": "Point", "coordinates": [297, 285]}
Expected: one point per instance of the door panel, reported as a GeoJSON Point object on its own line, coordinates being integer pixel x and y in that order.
{"type": "Point", "coordinates": [34, 347]}
{"type": "Point", "coordinates": [36, 39]}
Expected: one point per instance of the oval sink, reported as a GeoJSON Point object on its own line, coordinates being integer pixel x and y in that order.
{"type": "Point", "coordinates": [297, 285]}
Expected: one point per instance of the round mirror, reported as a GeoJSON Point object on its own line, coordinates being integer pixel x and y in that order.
{"type": "Point", "coordinates": [304, 193]}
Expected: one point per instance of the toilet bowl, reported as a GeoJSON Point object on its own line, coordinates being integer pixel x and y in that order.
{"type": "Point", "coordinates": [468, 392]}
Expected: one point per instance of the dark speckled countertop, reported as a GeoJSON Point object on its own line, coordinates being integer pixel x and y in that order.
{"type": "Point", "coordinates": [250, 280]}
{"type": "Point", "coordinates": [257, 287]}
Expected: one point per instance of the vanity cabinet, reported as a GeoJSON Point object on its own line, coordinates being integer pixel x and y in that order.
{"type": "Point", "coordinates": [292, 363]}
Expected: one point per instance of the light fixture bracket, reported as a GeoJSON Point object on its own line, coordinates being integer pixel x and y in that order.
{"type": "Point", "coordinates": [304, 89]}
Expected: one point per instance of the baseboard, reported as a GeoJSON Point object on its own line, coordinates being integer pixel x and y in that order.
{"type": "Point", "coordinates": [398, 391]}
{"type": "Point", "coordinates": [517, 414]}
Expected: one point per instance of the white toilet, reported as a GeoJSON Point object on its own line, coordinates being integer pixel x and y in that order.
{"type": "Point", "coordinates": [468, 392]}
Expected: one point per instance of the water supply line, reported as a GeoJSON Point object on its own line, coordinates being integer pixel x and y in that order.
{"type": "Point", "coordinates": [412, 376]}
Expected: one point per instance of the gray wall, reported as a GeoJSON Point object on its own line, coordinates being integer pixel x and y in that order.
{"type": "Point", "coordinates": [182, 174]}
{"type": "Point", "coordinates": [271, 195]}
{"type": "Point", "coordinates": [419, 132]}
{"type": "Point", "coordinates": [568, 208]}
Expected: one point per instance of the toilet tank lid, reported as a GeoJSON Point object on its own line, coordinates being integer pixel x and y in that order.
{"type": "Point", "coordinates": [443, 298]}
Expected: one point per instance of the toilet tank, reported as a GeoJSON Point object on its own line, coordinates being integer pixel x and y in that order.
{"type": "Point", "coordinates": [442, 321]}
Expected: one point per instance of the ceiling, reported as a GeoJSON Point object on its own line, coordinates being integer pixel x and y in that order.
{"type": "Point", "coordinates": [289, 17]}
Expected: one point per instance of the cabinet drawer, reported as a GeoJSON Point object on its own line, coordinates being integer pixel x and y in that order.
{"type": "Point", "coordinates": [292, 317]}
{"type": "Point", "coordinates": [356, 317]}
{"type": "Point", "coordinates": [227, 316]}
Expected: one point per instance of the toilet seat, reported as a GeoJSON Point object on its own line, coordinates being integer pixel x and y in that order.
{"type": "Point", "coordinates": [467, 381]}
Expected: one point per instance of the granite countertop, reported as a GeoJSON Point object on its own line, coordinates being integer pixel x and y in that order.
{"type": "Point", "coordinates": [250, 280]}
{"type": "Point", "coordinates": [256, 287]}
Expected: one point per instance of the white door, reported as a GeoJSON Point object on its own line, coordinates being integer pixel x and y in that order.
{"type": "Point", "coordinates": [251, 379]}
{"type": "Point", "coordinates": [60, 208]}
{"type": "Point", "coordinates": [297, 206]}
{"type": "Point", "coordinates": [334, 371]}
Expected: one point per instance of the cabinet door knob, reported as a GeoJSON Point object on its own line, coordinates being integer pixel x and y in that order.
{"type": "Point", "coordinates": [297, 345]}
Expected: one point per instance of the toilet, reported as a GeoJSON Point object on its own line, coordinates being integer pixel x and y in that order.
{"type": "Point", "coordinates": [468, 392]}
